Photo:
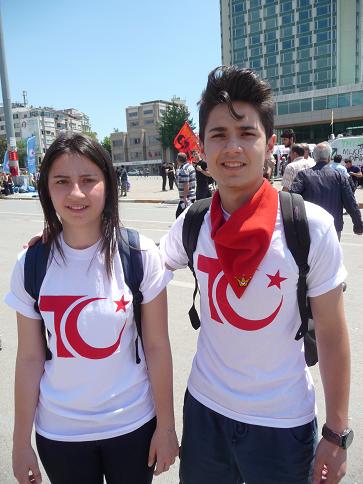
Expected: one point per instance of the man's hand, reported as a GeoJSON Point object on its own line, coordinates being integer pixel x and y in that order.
{"type": "Point", "coordinates": [164, 449]}
{"type": "Point", "coordinates": [34, 240]}
{"type": "Point", "coordinates": [25, 465]}
{"type": "Point", "coordinates": [330, 463]}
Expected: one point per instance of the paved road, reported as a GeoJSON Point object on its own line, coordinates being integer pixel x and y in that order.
{"type": "Point", "coordinates": [20, 219]}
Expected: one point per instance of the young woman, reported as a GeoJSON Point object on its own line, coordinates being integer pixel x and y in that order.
{"type": "Point", "coordinates": [97, 413]}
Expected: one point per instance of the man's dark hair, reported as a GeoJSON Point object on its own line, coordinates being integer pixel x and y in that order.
{"type": "Point", "coordinates": [298, 149]}
{"type": "Point", "coordinates": [347, 160]}
{"type": "Point", "coordinates": [337, 158]}
{"type": "Point", "coordinates": [288, 133]}
{"type": "Point", "coordinates": [182, 157]}
{"type": "Point", "coordinates": [227, 84]}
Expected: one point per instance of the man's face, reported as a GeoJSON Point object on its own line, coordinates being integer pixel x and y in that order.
{"type": "Point", "coordinates": [235, 149]}
{"type": "Point", "coordinates": [286, 142]}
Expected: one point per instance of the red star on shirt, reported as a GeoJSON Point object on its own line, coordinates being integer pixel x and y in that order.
{"type": "Point", "coordinates": [121, 304]}
{"type": "Point", "coordinates": [276, 280]}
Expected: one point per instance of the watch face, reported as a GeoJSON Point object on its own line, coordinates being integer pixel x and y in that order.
{"type": "Point", "coordinates": [347, 439]}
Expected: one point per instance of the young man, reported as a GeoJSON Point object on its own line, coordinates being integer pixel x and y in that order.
{"type": "Point", "coordinates": [298, 163]}
{"type": "Point", "coordinates": [249, 412]}
{"type": "Point", "coordinates": [202, 176]}
{"type": "Point", "coordinates": [186, 182]}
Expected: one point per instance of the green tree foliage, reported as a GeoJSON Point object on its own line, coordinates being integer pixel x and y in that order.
{"type": "Point", "coordinates": [106, 143]}
{"type": "Point", "coordinates": [172, 120]}
{"type": "Point", "coordinates": [22, 155]}
{"type": "Point", "coordinates": [91, 134]}
{"type": "Point", "coordinates": [3, 148]}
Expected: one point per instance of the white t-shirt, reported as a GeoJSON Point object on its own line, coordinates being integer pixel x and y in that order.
{"type": "Point", "coordinates": [248, 366]}
{"type": "Point", "coordinates": [92, 387]}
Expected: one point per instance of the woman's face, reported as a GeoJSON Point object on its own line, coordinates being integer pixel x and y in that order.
{"type": "Point", "coordinates": [77, 189]}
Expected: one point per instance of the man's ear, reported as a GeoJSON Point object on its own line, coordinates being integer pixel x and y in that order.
{"type": "Point", "coordinates": [271, 143]}
{"type": "Point", "coordinates": [201, 144]}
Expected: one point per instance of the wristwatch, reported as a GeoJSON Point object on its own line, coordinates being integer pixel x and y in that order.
{"type": "Point", "coordinates": [342, 440]}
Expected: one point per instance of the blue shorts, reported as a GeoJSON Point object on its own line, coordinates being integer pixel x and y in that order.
{"type": "Point", "coordinates": [218, 450]}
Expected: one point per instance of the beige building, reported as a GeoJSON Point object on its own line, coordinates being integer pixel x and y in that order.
{"type": "Point", "coordinates": [140, 146]}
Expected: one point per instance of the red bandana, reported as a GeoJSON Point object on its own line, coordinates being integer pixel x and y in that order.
{"type": "Point", "coordinates": [242, 241]}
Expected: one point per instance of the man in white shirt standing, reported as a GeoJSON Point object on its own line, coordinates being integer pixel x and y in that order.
{"type": "Point", "coordinates": [249, 410]}
{"type": "Point", "coordinates": [298, 163]}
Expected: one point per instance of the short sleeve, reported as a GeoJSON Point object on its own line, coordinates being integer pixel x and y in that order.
{"type": "Point", "coordinates": [171, 245]}
{"type": "Point", "coordinates": [288, 177]}
{"type": "Point", "coordinates": [156, 276]}
{"type": "Point", "coordinates": [17, 298]}
{"type": "Point", "coordinates": [327, 270]}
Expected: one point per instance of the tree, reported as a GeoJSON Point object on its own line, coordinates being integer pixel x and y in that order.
{"type": "Point", "coordinates": [22, 153]}
{"type": "Point", "coordinates": [171, 122]}
{"type": "Point", "coordinates": [91, 134]}
{"type": "Point", "coordinates": [106, 143]}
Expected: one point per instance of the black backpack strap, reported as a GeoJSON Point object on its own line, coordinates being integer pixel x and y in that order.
{"type": "Point", "coordinates": [131, 259]}
{"type": "Point", "coordinates": [298, 241]}
{"type": "Point", "coordinates": [35, 268]}
{"type": "Point", "coordinates": [194, 218]}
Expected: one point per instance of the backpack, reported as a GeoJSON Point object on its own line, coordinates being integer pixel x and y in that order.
{"type": "Point", "coordinates": [35, 268]}
{"type": "Point", "coordinates": [298, 242]}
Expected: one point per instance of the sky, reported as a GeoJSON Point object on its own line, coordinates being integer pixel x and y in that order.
{"type": "Point", "coordinates": [102, 56]}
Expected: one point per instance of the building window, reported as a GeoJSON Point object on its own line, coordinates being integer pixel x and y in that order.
{"type": "Point", "coordinates": [239, 43]}
{"type": "Point", "coordinates": [305, 66]}
{"type": "Point", "coordinates": [305, 41]}
{"type": "Point", "coordinates": [239, 7]}
{"type": "Point", "coordinates": [357, 98]}
{"type": "Point", "coordinates": [149, 121]}
{"type": "Point", "coordinates": [283, 108]}
{"type": "Point", "coordinates": [256, 63]}
{"type": "Point", "coordinates": [240, 32]}
{"type": "Point", "coordinates": [323, 50]}
{"type": "Point", "coordinates": [323, 23]}
{"type": "Point", "coordinates": [134, 124]}
{"type": "Point", "coordinates": [238, 20]}
{"type": "Point", "coordinates": [343, 100]}
{"type": "Point", "coordinates": [271, 23]}
{"type": "Point", "coordinates": [305, 15]}
{"type": "Point", "coordinates": [253, 15]}
{"type": "Point", "coordinates": [303, 3]}
{"type": "Point", "coordinates": [320, 103]}
{"type": "Point", "coordinates": [303, 54]}
{"type": "Point", "coordinates": [322, 10]}
{"type": "Point", "coordinates": [135, 141]}
{"type": "Point", "coordinates": [287, 19]}
{"type": "Point", "coordinates": [117, 142]}
{"type": "Point", "coordinates": [256, 51]}
{"type": "Point", "coordinates": [133, 114]}
{"type": "Point", "coordinates": [303, 28]}
{"type": "Point", "coordinates": [255, 3]}
{"type": "Point", "coordinates": [255, 27]}
{"type": "Point", "coordinates": [332, 101]}
{"type": "Point", "coordinates": [288, 69]}
{"type": "Point", "coordinates": [254, 39]}
{"type": "Point", "coordinates": [286, 31]}
{"type": "Point", "coordinates": [285, 7]}
{"type": "Point", "coordinates": [303, 78]}
{"type": "Point", "coordinates": [272, 47]}
{"type": "Point", "coordinates": [323, 36]}
{"type": "Point", "coordinates": [287, 81]}
{"type": "Point", "coordinates": [270, 11]}
{"type": "Point", "coordinates": [287, 56]}
{"type": "Point", "coordinates": [271, 71]}
{"type": "Point", "coordinates": [147, 112]}
{"type": "Point", "coordinates": [287, 44]}
{"type": "Point", "coordinates": [271, 60]}
{"type": "Point", "coordinates": [270, 36]}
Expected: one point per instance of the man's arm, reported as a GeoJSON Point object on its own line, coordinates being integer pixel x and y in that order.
{"type": "Point", "coordinates": [351, 206]}
{"type": "Point", "coordinates": [334, 363]}
{"type": "Point", "coordinates": [298, 185]}
{"type": "Point", "coordinates": [287, 179]}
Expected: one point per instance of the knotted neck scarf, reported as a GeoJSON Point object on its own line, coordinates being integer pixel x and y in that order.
{"type": "Point", "coordinates": [242, 241]}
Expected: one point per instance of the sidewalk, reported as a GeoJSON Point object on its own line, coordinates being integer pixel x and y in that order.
{"type": "Point", "coordinates": [148, 190]}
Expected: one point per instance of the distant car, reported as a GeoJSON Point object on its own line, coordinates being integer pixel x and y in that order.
{"type": "Point", "coordinates": [133, 172]}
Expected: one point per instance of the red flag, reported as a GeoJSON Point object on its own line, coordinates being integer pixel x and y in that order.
{"type": "Point", "coordinates": [186, 141]}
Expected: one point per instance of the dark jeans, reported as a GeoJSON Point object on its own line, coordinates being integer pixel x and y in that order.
{"type": "Point", "coordinates": [164, 182]}
{"type": "Point", "coordinates": [122, 460]}
{"type": "Point", "coordinates": [218, 450]}
{"type": "Point", "coordinates": [171, 182]}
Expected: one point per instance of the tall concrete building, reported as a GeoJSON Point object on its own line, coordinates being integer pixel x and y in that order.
{"type": "Point", "coordinates": [141, 146]}
{"type": "Point", "coordinates": [311, 53]}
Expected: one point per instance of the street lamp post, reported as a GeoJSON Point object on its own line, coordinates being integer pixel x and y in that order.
{"type": "Point", "coordinates": [9, 124]}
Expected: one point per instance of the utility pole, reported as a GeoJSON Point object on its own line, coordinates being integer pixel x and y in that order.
{"type": "Point", "coordinates": [9, 123]}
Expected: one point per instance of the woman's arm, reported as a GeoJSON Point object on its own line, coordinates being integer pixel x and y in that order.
{"type": "Point", "coordinates": [164, 446]}
{"type": "Point", "coordinates": [28, 372]}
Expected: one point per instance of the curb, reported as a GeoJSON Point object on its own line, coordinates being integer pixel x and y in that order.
{"type": "Point", "coordinates": [124, 200]}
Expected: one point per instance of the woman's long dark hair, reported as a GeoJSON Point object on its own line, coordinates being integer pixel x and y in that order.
{"type": "Point", "coordinates": [81, 144]}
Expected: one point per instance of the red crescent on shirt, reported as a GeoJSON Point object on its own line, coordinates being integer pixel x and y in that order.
{"type": "Point", "coordinates": [213, 268]}
{"type": "Point", "coordinates": [58, 305]}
